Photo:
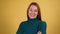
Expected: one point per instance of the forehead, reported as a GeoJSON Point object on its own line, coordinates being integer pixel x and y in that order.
{"type": "Point", "coordinates": [33, 7]}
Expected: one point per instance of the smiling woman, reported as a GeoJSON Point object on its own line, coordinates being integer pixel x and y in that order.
{"type": "Point", "coordinates": [12, 12]}
{"type": "Point", "coordinates": [34, 24]}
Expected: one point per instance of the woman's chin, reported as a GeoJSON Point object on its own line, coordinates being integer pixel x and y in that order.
{"type": "Point", "coordinates": [32, 17]}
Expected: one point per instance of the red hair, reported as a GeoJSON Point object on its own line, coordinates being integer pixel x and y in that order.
{"type": "Point", "coordinates": [39, 12]}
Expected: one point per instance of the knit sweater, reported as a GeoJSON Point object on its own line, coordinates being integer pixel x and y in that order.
{"type": "Point", "coordinates": [32, 26]}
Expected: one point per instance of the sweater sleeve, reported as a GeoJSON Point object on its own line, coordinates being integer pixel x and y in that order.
{"type": "Point", "coordinates": [42, 27]}
{"type": "Point", "coordinates": [20, 29]}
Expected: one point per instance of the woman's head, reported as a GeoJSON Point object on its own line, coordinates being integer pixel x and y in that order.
{"type": "Point", "coordinates": [33, 11]}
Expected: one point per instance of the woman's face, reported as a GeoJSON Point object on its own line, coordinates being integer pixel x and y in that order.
{"type": "Point", "coordinates": [33, 12]}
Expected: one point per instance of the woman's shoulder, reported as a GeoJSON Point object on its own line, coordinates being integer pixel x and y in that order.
{"type": "Point", "coordinates": [43, 22]}
{"type": "Point", "coordinates": [23, 22]}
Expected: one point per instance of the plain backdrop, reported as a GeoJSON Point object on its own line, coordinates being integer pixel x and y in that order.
{"type": "Point", "coordinates": [13, 12]}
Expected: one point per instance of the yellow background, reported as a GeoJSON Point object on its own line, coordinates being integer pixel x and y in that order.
{"type": "Point", "coordinates": [12, 12]}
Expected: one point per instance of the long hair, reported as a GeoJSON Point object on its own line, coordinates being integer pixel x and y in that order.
{"type": "Point", "coordinates": [39, 12]}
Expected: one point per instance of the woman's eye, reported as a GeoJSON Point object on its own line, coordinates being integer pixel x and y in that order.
{"type": "Point", "coordinates": [30, 9]}
{"type": "Point", "coordinates": [35, 10]}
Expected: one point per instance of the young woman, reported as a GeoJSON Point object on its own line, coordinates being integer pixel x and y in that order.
{"type": "Point", "coordinates": [34, 24]}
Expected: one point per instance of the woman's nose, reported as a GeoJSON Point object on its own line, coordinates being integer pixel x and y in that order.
{"type": "Point", "coordinates": [33, 11]}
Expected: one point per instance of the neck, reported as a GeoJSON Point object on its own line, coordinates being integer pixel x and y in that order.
{"type": "Point", "coordinates": [33, 19]}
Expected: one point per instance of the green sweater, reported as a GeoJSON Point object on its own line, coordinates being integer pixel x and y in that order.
{"type": "Point", "coordinates": [32, 26]}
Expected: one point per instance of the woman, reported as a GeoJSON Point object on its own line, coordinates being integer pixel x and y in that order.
{"type": "Point", "coordinates": [34, 24]}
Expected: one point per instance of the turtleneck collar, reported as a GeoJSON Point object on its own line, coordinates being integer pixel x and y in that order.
{"type": "Point", "coordinates": [35, 19]}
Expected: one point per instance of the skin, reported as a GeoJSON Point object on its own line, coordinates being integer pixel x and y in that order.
{"type": "Point", "coordinates": [32, 13]}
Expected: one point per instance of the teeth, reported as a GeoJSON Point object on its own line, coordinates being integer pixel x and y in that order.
{"type": "Point", "coordinates": [32, 15]}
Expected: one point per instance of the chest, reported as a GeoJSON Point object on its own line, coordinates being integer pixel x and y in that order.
{"type": "Point", "coordinates": [31, 27]}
